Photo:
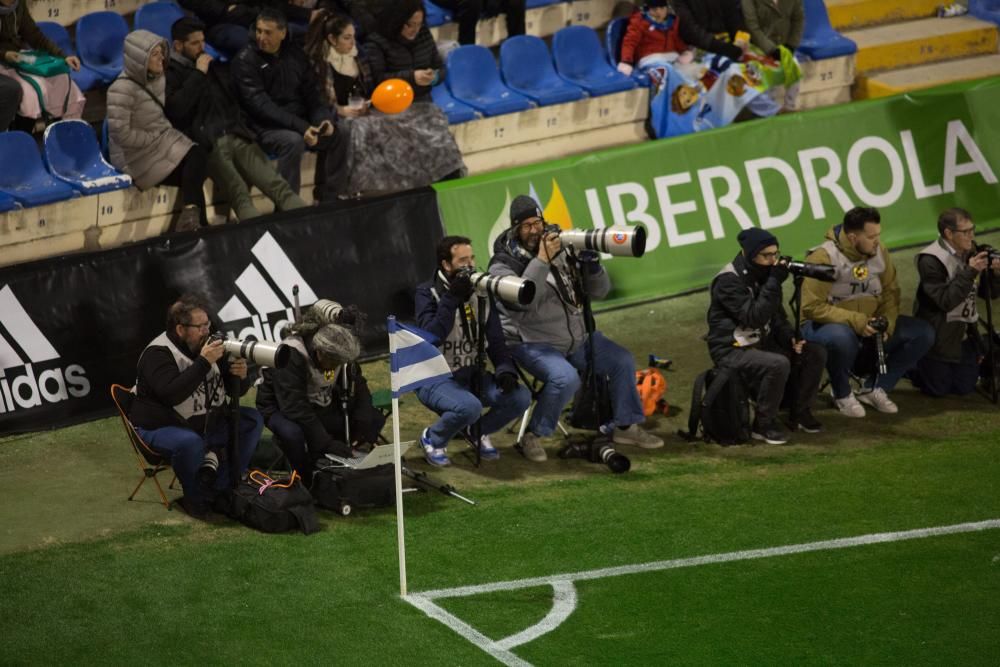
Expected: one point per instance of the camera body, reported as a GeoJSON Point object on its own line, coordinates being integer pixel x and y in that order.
{"type": "Point", "coordinates": [879, 324]}
{"type": "Point", "coordinates": [261, 353]}
{"type": "Point", "coordinates": [824, 272]}
{"type": "Point", "coordinates": [509, 289]}
{"type": "Point", "coordinates": [597, 450]}
{"type": "Point", "coordinates": [992, 254]}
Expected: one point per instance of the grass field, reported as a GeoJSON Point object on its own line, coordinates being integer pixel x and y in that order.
{"type": "Point", "coordinates": [90, 578]}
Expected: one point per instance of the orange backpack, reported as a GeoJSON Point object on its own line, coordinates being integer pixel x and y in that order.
{"type": "Point", "coordinates": [651, 386]}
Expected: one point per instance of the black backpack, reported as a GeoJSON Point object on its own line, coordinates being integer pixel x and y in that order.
{"type": "Point", "coordinates": [719, 404]}
{"type": "Point", "coordinates": [342, 489]}
{"type": "Point", "coordinates": [273, 505]}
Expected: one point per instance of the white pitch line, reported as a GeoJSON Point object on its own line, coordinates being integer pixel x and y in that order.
{"type": "Point", "coordinates": [563, 604]}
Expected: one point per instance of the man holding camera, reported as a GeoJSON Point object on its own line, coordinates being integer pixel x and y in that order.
{"type": "Point", "coordinates": [448, 308]}
{"type": "Point", "coordinates": [549, 336]}
{"type": "Point", "coordinates": [179, 410]}
{"type": "Point", "coordinates": [749, 332]}
{"type": "Point", "coordinates": [861, 303]}
{"type": "Point", "coordinates": [950, 270]}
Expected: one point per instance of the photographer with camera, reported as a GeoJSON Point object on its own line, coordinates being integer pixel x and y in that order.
{"type": "Point", "coordinates": [319, 403]}
{"type": "Point", "coordinates": [951, 270]}
{"type": "Point", "coordinates": [180, 405]}
{"type": "Point", "coordinates": [844, 313]}
{"type": "Point", "coordinates": [749, 332]}
{"type": "Point", "coordinates": [548, 337]}
{"type": "Point", "coordinates": [447, 308]}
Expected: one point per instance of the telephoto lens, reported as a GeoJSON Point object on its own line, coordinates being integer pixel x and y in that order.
{"type": "Point", "coordinates": [619, 241]}
{"type": "Point", "coordinates": [825, 272]}
{"type": "Point", "coordinates": [261, 353]}
{"type": "Point", "coordinates": [606, 454]}
{"type": "Point", "coordinates": [509, 289]}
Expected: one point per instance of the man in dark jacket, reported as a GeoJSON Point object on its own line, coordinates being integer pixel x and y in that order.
{"type": "Point", "coordinates": [749, 332]}
{"type": "Point", "coordinates": [702, 22]}
{"type": "Point", "coordinates": [202, 104]}
{"type": "Point", "coordinates": [180, 402]}
{"type": "Point", "coordinates": [950, 269]}
{"type": "Point", "coordinates": [278, 89]}
{"type": "Point", "coordinates": [447, 308]}
{"type": "Point", "coordinates": [229, 21]}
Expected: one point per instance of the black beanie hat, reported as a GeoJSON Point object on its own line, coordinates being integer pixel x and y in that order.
{"type": "Point", "coordinates": [656, 3]}
{"type": "Point", "coordinates": [754, 240]}
{"type": "Point", "coordinates": [522, 208]}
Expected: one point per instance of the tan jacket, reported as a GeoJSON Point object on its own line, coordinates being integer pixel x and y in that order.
{"type": "Point", "coordinates": [771, 25]}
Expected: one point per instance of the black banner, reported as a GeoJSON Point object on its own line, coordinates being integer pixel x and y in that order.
{"type": "Point", "coordinates": [72, 326]}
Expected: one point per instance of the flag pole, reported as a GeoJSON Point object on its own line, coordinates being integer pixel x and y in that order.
{"type": "Point", "coordinates": [400, 539]}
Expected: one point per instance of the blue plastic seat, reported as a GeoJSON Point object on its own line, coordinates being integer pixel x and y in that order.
{"type": "Point", "coordinates": [580, 60]}
{"type": "Point", "coordinates": [527, 68]}
{"type": "Point", "coordinates": [434, 15]}
{"type": "Point", "coordinates": [100, 42]}
{"type": "Point", "coordinates": [24, 177]}
{"type": "Point", "coordinates": [453, 109]}
{"type": "Point", "coordinates": [105, 141]}
{"type": "Point", "coordinates": [85, 78]}
{"type": "Point", "coordinates": [819, 39]}
{"type": "Point", "coordinates": [614, 34]}
{"type": "Point", "coordinates": [473, 79]}
{"type": "Point", "coordinates": [535, 4]}
{"type": "Point", "coordinates": [157, 17]}
{"type": "Point", "coordinates": [7, 203]}
{"type": "Point", "coordinates": [72, 155]}
{"type": "Point", "coordinates": [987, 10]}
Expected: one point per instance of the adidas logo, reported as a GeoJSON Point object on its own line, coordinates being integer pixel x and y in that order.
{"type": "Point", "coordinates": [23, 346]}
{"type": "Point", "coordinates": [264, 294]}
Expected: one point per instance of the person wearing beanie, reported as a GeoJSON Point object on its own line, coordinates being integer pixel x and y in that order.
{"type": "Point", "coordinates": [319, 403]}
{"type": "Point", "coordinates": [548, 337]}
{"type": "Point", "coordinates": [749, 332]}
{"type": "Point", "coordinates": [652, 38]}
{"type": "Point", "coordinates": [840, 315]}
{"type": "Point", "coordinates": [448, 309]}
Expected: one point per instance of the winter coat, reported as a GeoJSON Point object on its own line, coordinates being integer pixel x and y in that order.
{"type": "Point", "coordinates": [702, 20]}
{"type": "Point", "coordinates": [18, 31]}
{"type": "Point", "coordinates": [395, 58]}
{"type": "Point", "coordinates": [143, 143]}
{"type": "Point", "coordinates": [644, 38]}
{"type": "Point", "coordinates": [203, 106]}
{"type": "Point", "coordinates": [771, 26]}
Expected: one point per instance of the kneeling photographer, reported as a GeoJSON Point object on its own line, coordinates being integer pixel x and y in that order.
{"type": "Point", "coordinates": [180, 406]}
{"type": "Point", "coordinates": [319, 403]}
{"type": "Point", "coordinates": [749, 332]}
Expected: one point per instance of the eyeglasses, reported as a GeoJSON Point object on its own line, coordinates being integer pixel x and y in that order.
{"type": "Point", "coordinates": [768, 255]}
{"type": "Point", "coordinates": [968, 230]}
{"type": "Point", "coordinates": [204, 325]}
{"type": "Point", "coordinates": [533, 224]}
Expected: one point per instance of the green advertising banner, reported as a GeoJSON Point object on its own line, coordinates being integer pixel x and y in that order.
{"type": "Point", "coordinates": [910, 156]}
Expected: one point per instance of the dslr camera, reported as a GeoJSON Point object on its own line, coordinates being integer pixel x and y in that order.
{"type": "Point", "coordinates": [261, 353]}
{"type": "Point", "coordinates": [992, 254]}
{"type": "Point", "coordinates": [599, 450]}
{"type": "Point", "coordinates": [825, 272]}
{"type": "Point", "coordinates": [509, 289]}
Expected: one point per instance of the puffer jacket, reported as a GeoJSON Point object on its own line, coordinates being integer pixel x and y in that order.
{"type": "Point", "coordinates": [396, 58]}
{"type": "Point", "coordinates": [142, 141]}
{"type": "Point", "coordinates": [19, 31]}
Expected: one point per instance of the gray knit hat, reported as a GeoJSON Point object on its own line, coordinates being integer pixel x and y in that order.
{"type": "Point", "coordinates": [336, 343]}
{"type": "Point", "coordinates": [522, 208]}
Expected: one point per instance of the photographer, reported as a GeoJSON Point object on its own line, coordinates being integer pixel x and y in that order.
{"type": "Point", "coordinates": [749, 332]}
{"type": "Point", "coordinates": [320, 395]}
{"type": "Point", "coordinates": [448, 309]}
{"type": "Point", "coordinates": [548, 337]}
{"type": "Point", "coordinates": [950, 270]}
{"type": "Point", "coordinates": [848, 311]}
{"type": "Point", "coordinates": [180, 402]}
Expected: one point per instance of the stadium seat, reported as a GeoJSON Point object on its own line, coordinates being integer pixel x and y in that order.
{"type": "Point", "coordinates": [7, 203]}
{"type": "Point", "coordinates": [105, 142]}
{"type": "Point", "coordinates": [987, 10]}
{"type": "Point", "coordinates": [434, 15]}
{"type": "Point", "coordinates": [473, 79]}
{"type": "Point", "coordinates": [535, 4]}
{"type": "Point", "coordinates": [453, 109]}
{"type": "Point", "coordinates": [100, 41]}
{"type": "Point", "coordinates": [86, 78]}
{"type": "Point", "coordinates": [613, 36]}
{"type": "Point", "coordinates": [24, 177]}
{"type": "Point", "coordinates": [151, 463]}
{"type": "Point", "coordinates": [819, 39]}
{"type": "Point", "coordinates": [527, 68]}
{"type": "Point", "coordinates": [72, 155]}
{"type": "Point", "coordinates": [157, 17]}
{"type": "Point", "coordinates": [579, 59]}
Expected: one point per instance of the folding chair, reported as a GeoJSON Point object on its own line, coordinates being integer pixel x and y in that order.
{"type": "Point", "coordinates": [150, 462]}
{"type": "Point", "coordinates": [535, 386]}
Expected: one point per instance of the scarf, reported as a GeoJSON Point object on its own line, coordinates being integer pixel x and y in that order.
{"type": "Point", "coordinates": [344, 63]}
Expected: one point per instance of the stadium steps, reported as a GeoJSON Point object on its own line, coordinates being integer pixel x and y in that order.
{"type": "Point", "coordinates": [896, 45]}
{"type": "Point", "coordinates": [927, 76]}
{"type": "Point", "coordinates": [540, 21]}
{"type": "Point", "coordinates": [848, 14]}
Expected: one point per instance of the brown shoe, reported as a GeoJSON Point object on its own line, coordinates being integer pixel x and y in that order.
{"type": "Point", "coordinates": [531, 449]}
{"type": "Point", "coordinates": [188, 220]}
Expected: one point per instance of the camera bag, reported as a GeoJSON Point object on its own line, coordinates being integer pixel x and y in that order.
{"type": "Point", "coordinates": [592, 404]}
{"type": "Point", "coordinates": [720, 406]}
{"type": "Point", "coordinates": [272, 505]}
{"type": "Point", "coordinates": [342, 489]}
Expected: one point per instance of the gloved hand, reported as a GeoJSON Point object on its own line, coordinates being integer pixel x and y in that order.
{"type": "Point", "coordinates": [461, 287]}
{"type": "Point", "coordinates": [590, 259]}
{"type": "Point", "coordinates": [625, 69]}
{"type": "Point", "coordinates": [779, 272]}
{"type": "Point", "coordinates": [731, 51]}
{"type": "Point", "coordinates": [507, 382]}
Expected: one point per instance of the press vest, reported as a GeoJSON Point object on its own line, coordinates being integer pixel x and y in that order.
{"type": "Point", "coordinates": [744, 336]}
{"type": "Point", "coordinates": [319, 384]}
{"type": "Point", "coordinates": [209, 394]}
{"type": "Point", "coordinates": [854, 279]}
{"type": "Point", "coordinates": [459, 346]}
{"type": "Point", "coordinates": [965, 311]}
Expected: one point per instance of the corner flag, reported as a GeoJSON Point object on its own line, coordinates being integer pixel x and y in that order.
{"type": "Point", "coordinates": [414, 360]}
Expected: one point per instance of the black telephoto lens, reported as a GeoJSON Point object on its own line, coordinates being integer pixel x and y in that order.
{"type": "Point", "coordinates": [617, 463]}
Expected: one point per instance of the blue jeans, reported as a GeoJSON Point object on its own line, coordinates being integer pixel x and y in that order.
{"type": "Point", "coordinates": [186, 448]}
{"type": "Point", "coordinates": [909, 343]}
{"type": "Point", "coordinates": [561, 377]}
{"type": "Point", "coordinates": [452, 399]}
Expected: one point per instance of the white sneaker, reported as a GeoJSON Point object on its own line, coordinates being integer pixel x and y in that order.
{"type": "Point", "coordinates": [849, 406]}
{"type": "Point", "coordinates": [878, 399]}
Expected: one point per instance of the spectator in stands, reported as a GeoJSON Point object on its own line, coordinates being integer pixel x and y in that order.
{"type": "Point", "coordinates": [180, 409]}
{"type": "Point", "coordinates": [230, 23]}
{"type": "Point", "coordinates": [403, 48]}
{"type": "Point", "coordinates": [10, 100]}
{"type": "Point", "coordinates": [749, 332]}
{"type": "Point", "coordinates": [278, 89]}
{"type": "Point", "coordinates": [711, 25]}
{"type": "Point", "coordinates": [398, 152]}
{"type": "Point", "coordinates": [653, 37]}
{"type": "Point", "coordinates": [320, 400]}
{"type": "Point", "coordinates": [201, 103]}
{"type": "Point", "coordinates": [548, 338]}
{"type": "Point", "coordinates": [60, 97]}
{"type": "Point", "coordinates": [468, 12]}
{"type": "Point", "coordinates": [950, 269]}
{"type": "Point", "coordinates": [844, 313]}
{"type": "Point", "coordinates": [775, 23]}
{"type": "Point", "coordinates": [448, 309]}
{"type": "Point", "coordinates": [142, 142]}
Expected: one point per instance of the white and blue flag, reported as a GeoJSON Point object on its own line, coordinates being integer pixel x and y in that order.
{"type": "Point", "coordinates": [414, 360]}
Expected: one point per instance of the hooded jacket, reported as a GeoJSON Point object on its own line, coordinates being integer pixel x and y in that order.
{"type": "Point", "coordinates": [143, 143]}
{"type": "Point", "coordinates": [18, 31]}
{"type": "Point", "coordinates": [203, 106]}
{"type": "Point", "coordinates": [644, 37]}
{"type": "Point", "coordinates": [818, 304]}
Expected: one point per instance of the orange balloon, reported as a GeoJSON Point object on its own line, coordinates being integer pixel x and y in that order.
{"type": "Point", "coordinates": [393, 96]}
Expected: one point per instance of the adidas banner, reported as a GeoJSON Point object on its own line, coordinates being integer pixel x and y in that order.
{"type": "Point", "coordinates": [72, 326]}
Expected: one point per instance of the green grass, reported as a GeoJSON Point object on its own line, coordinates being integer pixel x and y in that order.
{"type": "Point", "coordinates": [91, 578]}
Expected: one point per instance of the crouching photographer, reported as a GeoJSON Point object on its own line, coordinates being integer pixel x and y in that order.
{"type": "Point", "coordinates": [319, 403]}
{"type": "Point", "coordinates": [180, 407]}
